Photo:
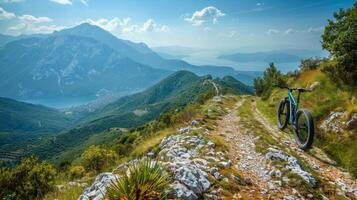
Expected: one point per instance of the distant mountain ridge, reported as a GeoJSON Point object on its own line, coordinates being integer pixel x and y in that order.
{"type": "Point", "coordinates": [67, 65]}
{"type": "Point", "coordinates": [83, 60]}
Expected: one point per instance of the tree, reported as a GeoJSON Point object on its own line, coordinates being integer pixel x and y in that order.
{"type": "Point", "coordinates": [340, 39]}
{"type": "Point", "coordinates": [96, 158]}
{"type": "Point", "coordinates": [311, 63]}
{"type": "Point", "coordinates": [271, 77]}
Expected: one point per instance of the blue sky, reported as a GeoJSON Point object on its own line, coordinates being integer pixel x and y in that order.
{"type": "Point", "coordinates": [237, 24]}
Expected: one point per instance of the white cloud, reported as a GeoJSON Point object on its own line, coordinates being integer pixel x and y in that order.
{"type": "Point", "coordinates": [63, 2]}
{"type": "Point", "coordinates": [315, 29]}
{"type": "Point", "coordinates": [85, 2]}
{"type": "Point", "coordinates": [17, 27]}
{"type": "Point", "coordinates": [273, 31]}
{"type": "Point", "coordinates": [292, 31]}
{"type": "Point", "coordinates": [229, 34]}
{"type": "Point", "coordinates": [259, 4]}
{"type": "Point", "coordinates": [124, 26]}
{"type": "Point", "coordinates": [148, 26]}
{"type": "Point", "coordinates": [109, 25]}
{"type": "Point", "coordinates": [6, 15]}
{"type": "Point", "coordinates": [209, 13]}
{"type": "Point", "coordinates": [30, 24]}
{"type": "Point", "coordinates": [289, 31]}
{"type": "Point", "coordinates": [33, 19]}
{"type": "Point", "coordinates": [23, 28]}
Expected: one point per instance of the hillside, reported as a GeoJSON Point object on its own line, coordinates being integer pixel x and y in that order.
{"type": "Point", "coordinates": [16, 116]}
{"type": "Point", "coordinates": [23, 122]}
{"type": "Point", "coordinates": [174, 92]}
{"type": "Point", "coordinates": [226, 149]}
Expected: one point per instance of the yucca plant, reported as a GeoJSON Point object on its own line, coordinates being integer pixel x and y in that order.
{"type": "Point", "coordinates": [145, 180]}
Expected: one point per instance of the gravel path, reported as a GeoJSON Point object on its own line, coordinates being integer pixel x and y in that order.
{"type": "Point", "coordinates": [252, 165]}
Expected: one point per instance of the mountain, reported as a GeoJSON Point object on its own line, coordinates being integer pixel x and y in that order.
{"type": "Point", "coordinates": [69, 66]}
{"type": "Point", "coordinates": [83, 60]}
{"type": "Point", "coordinates": [16, 116]}
{"type": "Point", "coordinates": [6, 38]}
{"type": "Point", "coordinates": [174, 92]}
{"type": "Point", "coordinates": [141, 53]}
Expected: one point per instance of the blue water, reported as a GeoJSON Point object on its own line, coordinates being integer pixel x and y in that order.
{"type": "Point", "coordinates": [60, 102]}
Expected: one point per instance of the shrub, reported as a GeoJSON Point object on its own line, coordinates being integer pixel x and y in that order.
{"type": "Point", "coordinates": [28, 180]}
{"type": "Point", "coordinates": [145, 180]}
{"type": "Point", "coordinates": [340, 39]}
{"type": "Point", "coordinates": [77, 171]}
{"type": "Point", "coordinates": [96, 158]}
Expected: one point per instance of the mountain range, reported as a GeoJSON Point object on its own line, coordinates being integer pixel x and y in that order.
{"type": "Point", "coordinates": [83, 60]}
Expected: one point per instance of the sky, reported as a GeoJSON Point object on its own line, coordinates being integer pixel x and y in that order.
{"type": "Point", "coordinates": [237, 24]}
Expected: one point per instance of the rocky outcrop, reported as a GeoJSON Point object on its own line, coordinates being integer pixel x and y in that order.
{"type": "Point", "coordinates": [336, 122]}
{"type": "Point", "coordinates": [190, 159]}
{"type": "Point", "coordinates": [98, 189]}
{"type": "Point", "coordinates": [292, 164]}
{"type": "Point", "coordinates": [182, 155]}
{"type": "Point", "coordinates": [333, 123]}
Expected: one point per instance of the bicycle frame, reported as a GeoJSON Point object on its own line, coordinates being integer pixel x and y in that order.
{"type": "Point", "coordinates": [294, 105]}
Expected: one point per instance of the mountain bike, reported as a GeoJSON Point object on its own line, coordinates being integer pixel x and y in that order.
{"type": "Point", "coordinates": [300, 119]}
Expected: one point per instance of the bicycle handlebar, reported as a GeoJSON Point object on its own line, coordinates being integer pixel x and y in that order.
{"type": "Point", "coordinates": [298, 89]}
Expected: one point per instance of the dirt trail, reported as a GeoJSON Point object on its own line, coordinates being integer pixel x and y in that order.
{"type": "Point", "coordinates": [251, 164]}
{"type": "Point", "coordinates": [316, 158]}
{"type": "Point", "coordinates": [255, 168]}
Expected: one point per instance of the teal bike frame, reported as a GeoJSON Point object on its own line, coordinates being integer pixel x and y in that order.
{"type": "Point", "coordinates": [294, 105]}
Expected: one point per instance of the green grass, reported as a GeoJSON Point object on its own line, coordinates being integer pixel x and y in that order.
{"type": "Point", "coordinates": [250, 123]}
{"type": "Point", "coordinates": [148, 144]}
{"type": "Point", "coordinates": [69, 193]}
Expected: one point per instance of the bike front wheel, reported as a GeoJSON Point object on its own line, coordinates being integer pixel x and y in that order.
{"type": "Point", "coordinates": [304, 129]}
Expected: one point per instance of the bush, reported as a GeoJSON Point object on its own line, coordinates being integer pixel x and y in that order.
{"type": "Point", "coordinates": [145, 180]}
{"type": "Point", "coordinates": [96, 158]}
{"type": "Point", "coordinates": [340, 39]}
{"type": "Point", "coordinates": [77, 172]}
{"type": "Point", "coordinates": [28, 180]}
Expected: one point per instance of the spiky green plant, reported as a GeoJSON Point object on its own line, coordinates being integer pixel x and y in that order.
{"type": "Point", "coordinates": [145, 180]}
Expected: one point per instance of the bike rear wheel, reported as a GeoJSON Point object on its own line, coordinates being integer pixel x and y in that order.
{"type": "Point", "coordinates": [282, 117]}
{"type": "Point", "coordinates": [304, 129]}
